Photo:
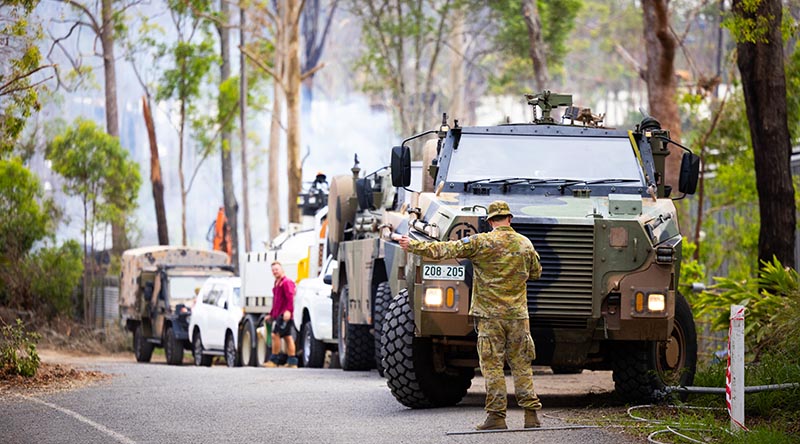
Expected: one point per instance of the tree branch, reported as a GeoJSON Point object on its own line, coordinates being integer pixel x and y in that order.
{"type": "Point", "coordinates": [262, 66]}
{"type": "Point", "coordinates": [619, 49]}
{"type": "Point", "coordinates": [20, 77]}
{"type": "Point", "coordinates": [311, 71]}
{"type": "Point", "coordinates": [95, 25]}
{"type": "Point", "coordinates": [11, 91]}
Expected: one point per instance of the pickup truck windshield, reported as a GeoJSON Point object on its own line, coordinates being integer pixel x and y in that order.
{"type": "Point", "coordinates": [481, 156]}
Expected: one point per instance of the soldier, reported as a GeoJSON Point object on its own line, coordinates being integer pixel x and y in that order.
{"type": "Point", "coordinates": [503, 261]}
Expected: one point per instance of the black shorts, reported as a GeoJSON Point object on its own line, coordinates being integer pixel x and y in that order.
{"type": "Point", "coordinates": [282, 328]}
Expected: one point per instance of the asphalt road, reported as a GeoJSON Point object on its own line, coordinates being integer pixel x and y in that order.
{"type": "Point", "coordinates": [156, 403]}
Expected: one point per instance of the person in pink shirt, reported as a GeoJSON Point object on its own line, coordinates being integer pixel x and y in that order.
{"type": "Point", "coordinates": [281, 317]}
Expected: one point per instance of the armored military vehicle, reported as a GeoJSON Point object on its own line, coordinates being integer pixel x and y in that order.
{"type": "Point", "coordinates": [157, 285]}
{"type": "Point", "coordinates": [593, 202]}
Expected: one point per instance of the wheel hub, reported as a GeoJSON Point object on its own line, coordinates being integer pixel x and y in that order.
{"type": "Point", "coordinates": [672, 353]}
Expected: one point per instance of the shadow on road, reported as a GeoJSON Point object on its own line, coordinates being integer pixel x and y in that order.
{"type": "Point", "coordinates": [584, 400]}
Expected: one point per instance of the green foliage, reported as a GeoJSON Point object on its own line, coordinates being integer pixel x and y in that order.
{"type": "Point", "coordinates": [96, 169]}
{"type": "Point", "coordinates": [54, 274]}
{"type": "Point", "coordinates": [773, 307]}
{"type": "Point", "coordinates": [20, 60]}
{"type": "Point", "coordinates": [18, 354]}
{"type": "Point", "coordinates": [691, 269]}
{"type": "Point", "coordinates": [191, 63]}
{"type": "Point", "coordinates": [731, 219]}
{"type": "Point", "coordinates": [557, 18]}
{"type": "Point", "coordinates": [746, 24]}
{"type": "Point", "coordinates": [26, 214]}
{"type": "Point", "coordinates": [32, 278]}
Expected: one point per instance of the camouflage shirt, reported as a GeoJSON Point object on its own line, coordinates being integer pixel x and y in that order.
{"type": "Point", "coordinates": [503, 261]}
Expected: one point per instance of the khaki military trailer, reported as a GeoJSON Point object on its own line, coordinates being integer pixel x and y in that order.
{"type": "Point", "coordinates": [157, 286]}
{"type": "Point", "coordinates": [593, 202]}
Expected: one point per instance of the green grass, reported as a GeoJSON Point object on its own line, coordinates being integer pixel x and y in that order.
{"type": "Point", "coordinates": [772, 416]}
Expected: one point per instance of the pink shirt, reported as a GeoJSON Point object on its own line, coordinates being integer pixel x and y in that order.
{"type": "Point", "coordinates": [282, 298]}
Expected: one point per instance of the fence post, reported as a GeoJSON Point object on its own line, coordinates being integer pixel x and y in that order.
{"type": "Point", "coordinates": [734, 390]}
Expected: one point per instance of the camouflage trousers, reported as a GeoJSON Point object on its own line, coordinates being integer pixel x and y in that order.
{"type": "Point", "coordinates": [498, 340]}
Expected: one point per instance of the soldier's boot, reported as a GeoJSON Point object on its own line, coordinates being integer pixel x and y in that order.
{"type": "Point", "coordinates": [291, 362]}
{"type": "Point", "coordinates": [493, 421]}
{"type": "Point", "coordinates": [272, 362]}
{"type": "Point", "coordinates": [532, 420]}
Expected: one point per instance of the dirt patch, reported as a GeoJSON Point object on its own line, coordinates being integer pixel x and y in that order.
{"type": "Point", "coordinates": [49, 378]}
{"type": "Point", "coordinates": [65, 334]}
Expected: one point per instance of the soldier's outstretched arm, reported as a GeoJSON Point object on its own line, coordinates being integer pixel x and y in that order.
{"type": "Point", "coordinates": [462, 248]}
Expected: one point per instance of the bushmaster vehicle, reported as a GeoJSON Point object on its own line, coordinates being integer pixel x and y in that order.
{"type": "Point", "coordinates": [593, 202]}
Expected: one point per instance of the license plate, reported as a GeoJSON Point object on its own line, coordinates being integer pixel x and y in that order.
{"type": "Point", "coordinates": [443, 272]}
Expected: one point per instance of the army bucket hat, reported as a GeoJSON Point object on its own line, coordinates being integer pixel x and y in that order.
{"type": "Point", "coordinates": [498, 208]}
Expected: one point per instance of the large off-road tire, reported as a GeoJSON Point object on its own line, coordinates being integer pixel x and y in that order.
{"type": "Point", "coordinates": [408, 363]}
{"type": "Point", "coordinates": [230, 351]}
{"type": "Point", "coordinates": [356, 342]}
{"type": "Point", "coordinates": [142, 349]}
{"type": "Point", "coordinates": [642, 370]}
{"type": "Point", "coordinates": [197, 347]}
{"type": "Point", "coordinates": [312, 350]}
{"type": "Point", "coordinates": [173, 349]}
{"type": "Point", "coordinates": [247, 344]}
{"type": "Point", "coordinates": [383, 296]}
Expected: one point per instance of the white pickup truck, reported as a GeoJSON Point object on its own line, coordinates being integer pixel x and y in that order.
{"type": "Point", "coordinates": [313, 314]}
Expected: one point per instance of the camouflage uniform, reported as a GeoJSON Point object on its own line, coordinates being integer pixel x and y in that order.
{"type": "Point", "coordinates": [503, 261]}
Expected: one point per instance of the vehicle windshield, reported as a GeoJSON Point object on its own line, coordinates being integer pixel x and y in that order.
{"type": "Point", "coordinates": [181, 288]}
{"type": "Point", "coordinates": [482, 156]}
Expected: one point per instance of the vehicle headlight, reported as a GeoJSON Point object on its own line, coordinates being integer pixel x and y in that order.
{"type": "Point", "coordinates": [433, 297]}
{"type": "Point", "coordinates": [656, 302]}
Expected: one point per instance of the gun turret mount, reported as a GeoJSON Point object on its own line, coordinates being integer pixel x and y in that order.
{"type": "Point", "coordinates": [546, 101]}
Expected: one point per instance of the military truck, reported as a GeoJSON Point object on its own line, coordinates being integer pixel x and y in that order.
{"type": "Point", "coordinates": [594, 204]}
{"type": "Point", "coordinates": [157, 285]}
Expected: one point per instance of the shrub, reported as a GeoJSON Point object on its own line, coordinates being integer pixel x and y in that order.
{"type": "Point", "coordinates": [773, 307]}
{"type": "Point", "coordinates": [54, 275]}
{"type": "Point", "coordinates": [18, 354]}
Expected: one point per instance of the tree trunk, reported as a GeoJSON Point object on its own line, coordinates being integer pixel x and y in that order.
{"type": "Point", "coordinates": [292, 77]}
{"type": "Point", "coordinates": [530, 14]}
{"type": "Point", "coordinates": [243, 129]}
{"type": "Point", "coordinates": [181, 178]}
{"type": "Point", "coordinates": [660, 45]}
{"type": "Point", "coordinates": [457, 81]}
{"type": "Point", "coordinates": [273, 174]}
{"type": "Point", "coordinates": [155, 176]}
{"type": "Point", "coordinates": [119, 238]}
{"type": "Point", "coordinates": [228, 194]}
{"type": "Point", "coordinates": [764, 83]}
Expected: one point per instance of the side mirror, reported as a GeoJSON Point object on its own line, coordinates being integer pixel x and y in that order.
{"type": "Point", "coordinates": [690, 172]}
{"type": "Point", "coordinates": [328, 279]}
{"type": "Point", "coordinates": [401, 166]}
